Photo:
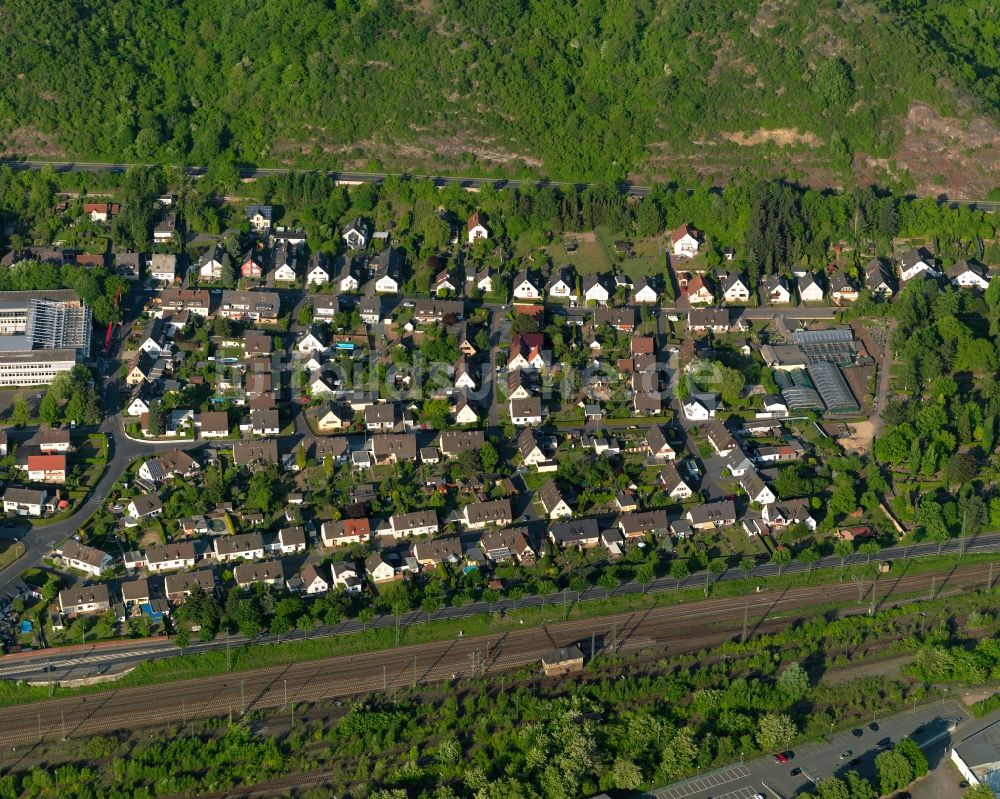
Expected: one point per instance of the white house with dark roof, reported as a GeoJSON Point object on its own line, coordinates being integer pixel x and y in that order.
{"type": "Point", "coordinates": [914, 262]}
{"type": "Point", "coordinates": [969, 274]}
{"type": "Point", "coordinates": [357, 234]}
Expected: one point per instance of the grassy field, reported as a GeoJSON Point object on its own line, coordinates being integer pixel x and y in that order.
{"type": "Point", "coordinates": [589, 258]}
{"type": "Point", "coordinates": [9, 552]}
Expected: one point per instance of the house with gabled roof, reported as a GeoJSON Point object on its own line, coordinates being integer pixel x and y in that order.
{"type": "Point", "coordinates": [453, 443]}
{"type": "Point", "coordinates": [594, 289]}
{"type": "Point", "coordinates": [636, 526]}
{"type": "Point", "coordinates": [842, 288]}
{"type": "Point", "coordinates": [701, 320]}
{"type": "Point", "coordinates": [285, 259]}
{"type": "Point", "coordinates": [319, 272]}
{"type": "Point", "coordinates": [673, 484]}
{"type": "Point", "coordinates": [562, 283]}
{"type": "Point", "coordinates": [735, 288]}
{"type": "Point", "coordinates": [252, 265]}
{"type": "Point", "coordinates": [170, 557]}
{"type": "Point", "coordinates": [969, 274]}
{"type": "Point", "coordinates": [579, 533]}
{"type": "Point", "coordinates": [345, 531]}
{"type": "Point", "coordinates": [775, 289]}
{"type": "Point", "coordinates": [81, 557]}
{"type": "Point", "coordinates": [315, 581]}
{"type": "Point", "coordinates": [916, 261]}
{"type": "Point", "coordinates": [510, 544]}
{"type": "Point", "coordinates": [269, 572]}
{"type": "Point", "coordinates": [394, 447]}
{"type": "Point", "coordinates": [259, 217]}
{"type": "Point", "coordinates": [684, 242]}
{"type": "Point", "coordinates": [357, 234]}
{"type": "Point", "coordinates": [712, 515]}
{"type": "Point", "coordinates": [877, 279]}
{"type": "Point", "coordinates": [496, 513]}
{"type": "Point", "coordinates": [408, 525]}
{"type": "Point", "coordinates": [699, 292]}
{"type": "Point", "coordinates": [379, 570]}
{"type": "Point", "coordinates": [526, 286]}
{"type": "Point", "coordinates": [438, 550]}
{"type": "Point", "coordinates": [657, 446]}
{"type": "Point", "coordinates": [388, 270]}
{"type": "Point", "coordinates": [645, 293]}
{"type": "Point", "coordinates": [552, 501]}
{"type": "Point", "coordinates": [475, 227]}
{"type": "Point", "coordinates": [755, 488]}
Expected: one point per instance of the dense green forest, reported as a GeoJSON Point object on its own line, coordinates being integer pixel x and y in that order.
{"type": "Point", "coordinates": [575, 89]}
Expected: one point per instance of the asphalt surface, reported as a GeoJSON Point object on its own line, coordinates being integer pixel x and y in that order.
{"type": "Point", "coordinates": [377, 177]}
{"type": "Point", "coordinates": [815, 761]}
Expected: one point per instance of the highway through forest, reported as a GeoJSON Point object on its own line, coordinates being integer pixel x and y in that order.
{"type": "Point", "coordinates": [465, 181]}
{"type": "Point", "coordinates": [671, 629]}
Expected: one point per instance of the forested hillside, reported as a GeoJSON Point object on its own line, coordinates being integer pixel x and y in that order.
{"type": "Point", "coordinates": [595, 89]}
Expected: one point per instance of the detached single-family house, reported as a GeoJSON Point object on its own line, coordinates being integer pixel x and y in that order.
{"type": "Point", "coordinates": [720, 438]}
{"type": "Point", "coordinates": [644, 293]}
{"type": "Point", "coordinates": [526, 286]}
{"type": "Point", "coordinates": [85, 599]}
{"type": "Point", "coordinates": [657, 445]}
{"type": "Point", "coordinates": [346, 531]}
{"type": "Point", "coordinates": [916, 261]}
{"type": "Point", "coordinates": [453, 443]}
{"type": "Point", "coordinates": [783, 514]}
{"type": "Point", "coordinates": [378, 569]}
{"type": "Point", "coordinates": [476, 229]}
{"type": "Point", "coordinates": [314, 581]}
{"type": "Point", "coordinates": [636, 526]}
{"type": "Point", "coordinates": [81, 557]}
{"type": "Point", "coordinates": [477, 515]}
{"type": "Point", "coordinates": [388, 271]}
{"type": "Point", "coordinates": [211, 262]}
{"type": "Point", "coordinates": [684, 242]}
{"type": "Point", "coordinates": [507, 545]}
{"type": "Point", "coordinates": [319, 271]}
{"type": "Point", "coordinates": [735, 289]}
{"type": "Point", "coordinates": [969, 274]}
{"type": "Point", "coordinates": [581, 533]}
{"type": "Point", "coordinates": [286, 263]}
{"type": "Point", "coordinates": [877, 279]}
{"type": "Point", "coordinates": [163, 267]}
{"type": "Point", "coordinates": [214, 424]}
{"type": "Point", "coordinates": [170, 557]}
{"type": "Point", "coordinates": [531, 452]}
{"type": "Point", "coordinates": [776, 290]}
{"type": "Point", "coordinates": [259, 217]}
{"type": "Point", "coordinates": [525, 412]}
{"type": "Point", "coordinates": [25, 501]}
{"type": "Point", "coordinates": [675, 486]}
{"type": "Point", "coordinates": [245, 546]}
{"type": "Point", "coordinates": [699, 292]}
{"type": "Point", "coordinates": [49, 469]}
{"type": "Point", "coordinates": [755, 488]}
{"type": "Point", "coordinates": [700, 407]}
{"type": "Point", "coordinates": [252, 266]}
{"type": "Point", "coordinates": [345, 575]}
{"type": "Point", "coordinates": [408, 525]}
{"type": "Point", "coordinates": [842, 289]}
{"type": "Point", "coordinates": [810, 289]}
{"type": "Point", "coordinates": [265, 422]}
{"type": "Point", "coordinates": [562, 284]}
{"type": "Point", "coordinates": [712, 515]}
{"type": "Point", "coordinates": [701, 320]}
{"type": "Point", "coordinates": [145, 506]}
{"type": "Point", "coordinates": [357, 234]}
{"type": "Point", "coordinates": [552, 501]}
{"type": "Point", "coordinates": [270, 573]}
{"type": "Point", "coordinates": [381, 417]}
{"type": "Point", "coordinates": [594, 290]}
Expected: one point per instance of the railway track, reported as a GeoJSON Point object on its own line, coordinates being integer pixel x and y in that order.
{"type": "Point", "coordinates": [674, 629]}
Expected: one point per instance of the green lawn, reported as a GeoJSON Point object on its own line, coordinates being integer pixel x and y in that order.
{"type": "Point", "coordinates": [589, 257]}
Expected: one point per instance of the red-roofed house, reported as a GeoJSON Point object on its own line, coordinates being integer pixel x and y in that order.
{"type": "Point", "coordinates": [477, 230]}
{"type": "Point", "coordinates": [100, 212]}
{"type": "Point", "coordinates": [527, 352]}
{"type": "Point", "coordinates": [47, 469]}
{"type": "Point", "coordinates": [685, 242]}
{"type": "Point", "coordinates": [698, 291]}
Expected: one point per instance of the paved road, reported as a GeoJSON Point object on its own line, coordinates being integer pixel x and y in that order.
{"type": "Point", "coordinates": [815, 761]}
{"type": "Point", "coordinates": [466, 181]}
{"type": "Point", "coordinates": [51, 664]}
{"type": "Point", "coordinates": [677, 628]}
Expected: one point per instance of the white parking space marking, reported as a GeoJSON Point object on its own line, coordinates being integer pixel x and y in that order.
{"type": "Point", "coordinates": [707, 782]}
